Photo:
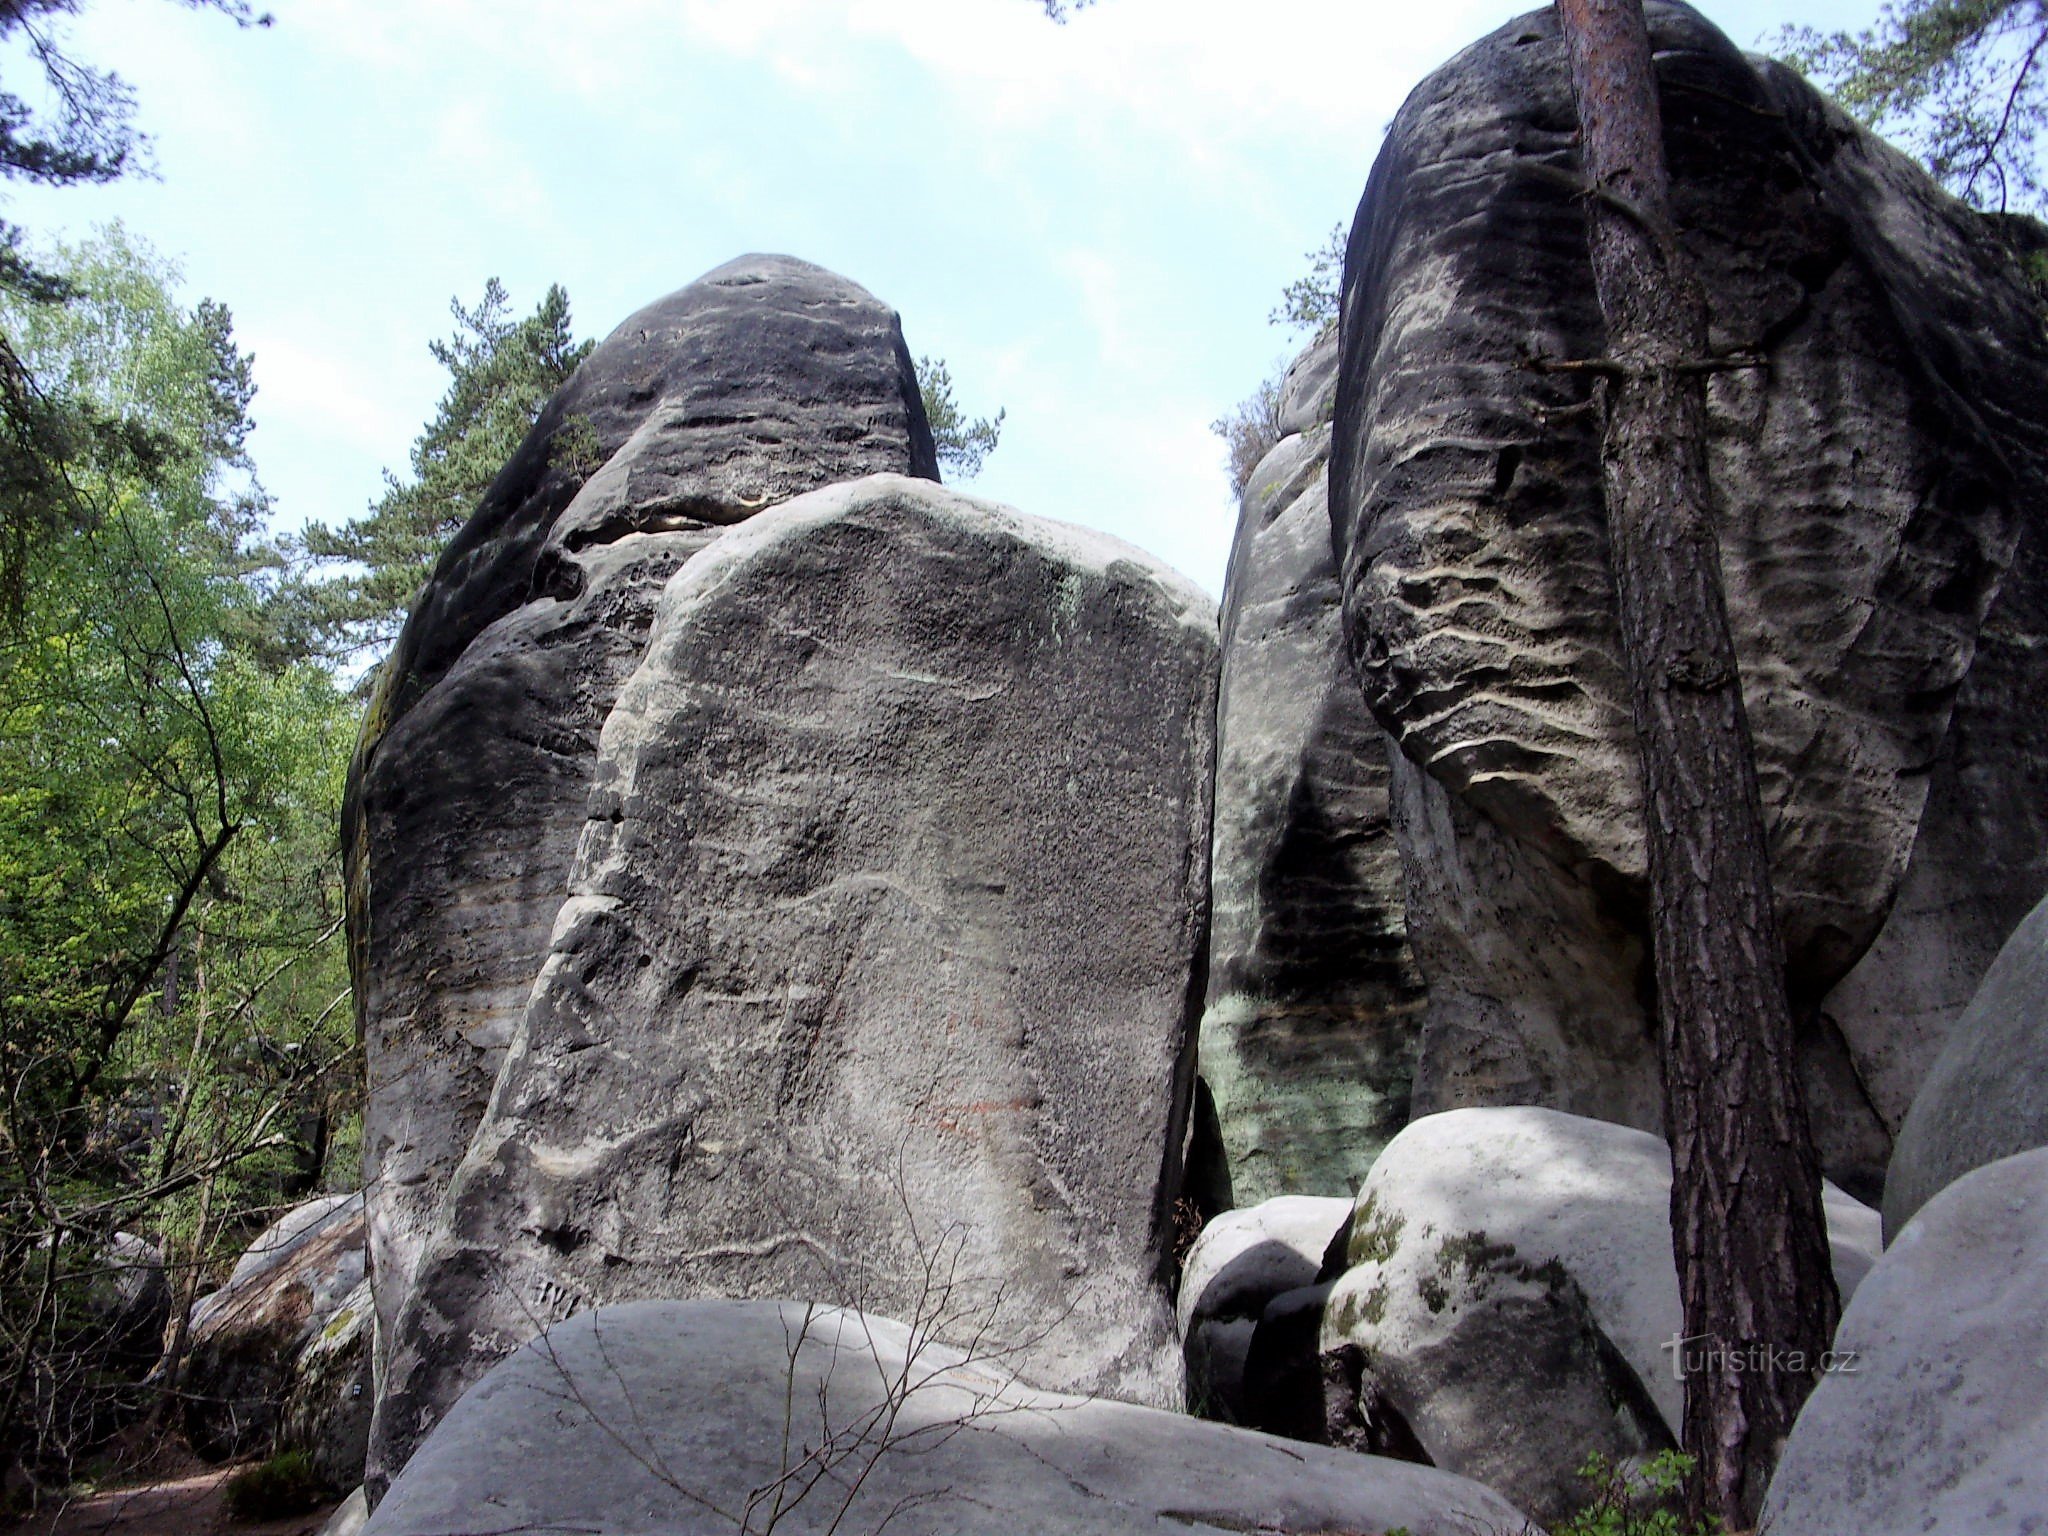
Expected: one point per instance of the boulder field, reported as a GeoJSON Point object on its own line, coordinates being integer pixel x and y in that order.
{"type": "Point", "coordinates": [827, 947]}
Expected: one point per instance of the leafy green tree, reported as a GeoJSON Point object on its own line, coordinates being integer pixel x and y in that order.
{"type": "Point", "coordinates": [170, 971]}
{"type": "Point", "coordinates": [1310, 302]}
{"type": "Point", "coordinates": [501, 371]}
{"type": "Point", "coordinates": [962, 444]}
{"type": "Point", "coordinates": [87, 135]}
{"type": "Point", "coordinates": [1960, 82]}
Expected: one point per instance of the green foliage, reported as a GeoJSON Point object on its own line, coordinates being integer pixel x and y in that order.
{"type": "Point", "coordinates": [283, 1486]}
{"type": "Point", "coordinates": [1250, 429]}
{"type": "Point", "coordinates": [170, 967]}
{"type": "Point", "coordinates": [86, 134]}
{"type": "Point", "coordinates": [1639, 1502]}
{"type": "Point", "coordinates": [962, 444]}
{"type": "Point", "coordinates": [501, 371]}
{"type": "Point", "coordinates": [1310, 302]}
{"type": "Point", "coordinates": [1959, 81]}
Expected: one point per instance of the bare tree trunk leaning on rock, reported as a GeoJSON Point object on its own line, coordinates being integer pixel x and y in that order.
{"type": "Point", "coordinates": [1747, 1230]}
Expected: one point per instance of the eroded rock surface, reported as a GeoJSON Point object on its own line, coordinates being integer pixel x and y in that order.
{"type": "Point", "coordinates": [663, 1418]}
{"type": "Point", "coordinates": [1313, 1012]}
{"type": "Point", "coordinates": [1881, 491]}
{"type": "Point", "coordinates": [874, 980]}
{"type": "Point", "coordinates": [765, 378]}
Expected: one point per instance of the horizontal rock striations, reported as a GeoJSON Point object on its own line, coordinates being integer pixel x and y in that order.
{"type": "Point", "coordinates": [1314, 1005]}
{"type": "Point", "coordinates": [874, 980]}
{"type": "Point", "coordinates": [765, 378]}
{"type": "Point", "coordinates": [1879, 434]}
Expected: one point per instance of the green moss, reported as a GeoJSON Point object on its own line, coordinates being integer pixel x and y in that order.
{"type": "Point", "coordinates": [1375, 1235]}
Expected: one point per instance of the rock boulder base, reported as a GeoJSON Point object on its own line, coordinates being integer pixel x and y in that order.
{"type": "Point", "coordinates": [873, 981]}
{"type": "Point", "coordinates": [656, 1419]}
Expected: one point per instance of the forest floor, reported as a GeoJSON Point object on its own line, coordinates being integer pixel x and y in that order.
{"type": "Point", "coordinates": [179, 1500]}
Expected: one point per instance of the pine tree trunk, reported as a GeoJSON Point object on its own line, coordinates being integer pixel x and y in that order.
{"type": "Point", "coordinates": [1747, 1228]}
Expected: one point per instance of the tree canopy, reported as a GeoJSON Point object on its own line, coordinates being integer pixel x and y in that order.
{"type": "Point", "coordinates": [169, 881]}
{"type": "Point", "coordinates": [365, 572]}
{"type": "Point", "coordinates": [963, 443]}
{"type": "Point", "coordinates": [1959, 82]}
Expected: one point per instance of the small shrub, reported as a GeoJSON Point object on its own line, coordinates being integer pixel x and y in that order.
{"type": "Point", "coordinates": [1642, 1501]}
{"type": "Point", "coordinates": [274, 1489]}
{"type": "Point", "coordinates": [1250, 429]}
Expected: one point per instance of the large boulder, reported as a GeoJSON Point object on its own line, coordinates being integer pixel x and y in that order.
{"type": "Point", "coordinates": [245, 1338]}
{"type": "Point", "coordinates": [874, 978]}
{"type": "Point", "coordinates": [1313, 1009]}
{"type": "Point", "coordinates": [1879, 483]}
{"type": "Point", "coordinates": [1512, 1291]}
{"type": "Point", "coordinates": [1241, 1262]}
{"type": "Point", "coordinates": [1986, 1096]}
{"type": "Point", "coordinates": [763, 379]}
{"type": "Point", "coordinates": [1935, 1417]}
{"type": "Point", "coordinates": [328, 1403]}
{"type": "Point", "coordinates": [710, 1416]}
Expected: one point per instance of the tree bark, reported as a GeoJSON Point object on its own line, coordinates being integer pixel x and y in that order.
{"type": "Point", "coordinates": [1747, 1228]}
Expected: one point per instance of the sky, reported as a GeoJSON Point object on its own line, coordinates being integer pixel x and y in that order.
{"type": "Point", "coordinates": [1090, 223]}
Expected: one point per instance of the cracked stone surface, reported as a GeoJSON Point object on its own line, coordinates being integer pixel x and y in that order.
{"type": "Point", "coordinates": [877, 963]}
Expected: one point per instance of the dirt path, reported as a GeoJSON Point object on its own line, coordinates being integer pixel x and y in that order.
{"type": "Point", "coordinates": [180, 1506]}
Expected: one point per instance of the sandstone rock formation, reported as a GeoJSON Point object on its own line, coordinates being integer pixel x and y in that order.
{"type": "Point", "coordinates": [329, 1402]}
{"type": "Point", "coordinates": [1513, 1293]}
{"type": "Point", "coordinates": [246, 1337]}
{"type": "Point", "coordinates": [1241, 1261]}
{"type": "Point", "coordinates": [873, 980]}
{"type": "Point", "coordinates": [1308, 1038]}
{"type": "Point", "coordinates": [1880, 476]}
{"type": "Point", "coordinates": [665, 1417]}
{"type": "Point", "coordinates": [1986, 1096]}
{"type": "Point", "coordinates": [1937, 1414]}
{"type": "Point", "coordinates": [765, 378]}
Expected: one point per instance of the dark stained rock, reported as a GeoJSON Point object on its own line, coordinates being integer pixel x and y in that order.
{"type": "Point", "coordinates": [765, 378]}
{"type": "Point", "coordinates": [1987, 1094]}
{"type": "Point", "coordinates": [1313, 1012]}
{"type": "Point", "coordinates": [663, 1419]}
{"type": "Point", "coordinates": [874, 981]}
{"type": "Point", "coordinates": [246, 1337]}
{"type": "Point", "coordinates": [1881, 487]}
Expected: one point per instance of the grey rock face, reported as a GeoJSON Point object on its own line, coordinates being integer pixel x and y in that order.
{"type": "Point", "coordinates": [1313, 1012]}
{"type": "Point", "coordinates": [1986, 1096]}
{"type": "Point", "coordinates": [874, 977]}
{"type": "Point", "coordinates": [1880, 487]}
{"type": "Point", "coordinates": [1939, 1421]}
{"type": "Point", "coordinates": [765, 378]}
{"type": "Point", "coordinates": [664, 1417]}
{"type": "Point", "coordinates": [1513, 1290]}
{"type": "Point", "coordinates": [246, 1337]}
